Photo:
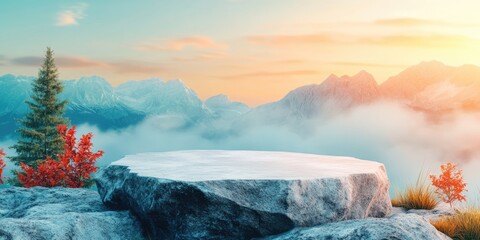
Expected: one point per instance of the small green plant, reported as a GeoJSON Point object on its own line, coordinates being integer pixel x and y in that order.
{"type": "Point", "coordinates": [462, 225]}
{"type": "Point", "coordinates": [419, 196]}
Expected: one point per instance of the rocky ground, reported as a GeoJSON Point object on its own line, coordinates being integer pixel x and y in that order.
{"type": "Point", "coordinates": [60, 213]}
{"type": "Point", "coordinates": [142, 197]}
{"type": "Point", "coordinates": [402, 224]}
{"type": "Point", "coordinates": [399, 226]}
{"type": "Point", "coordinates": [242, 194]}
{"type": "Point", "coordinates": [441, 210]}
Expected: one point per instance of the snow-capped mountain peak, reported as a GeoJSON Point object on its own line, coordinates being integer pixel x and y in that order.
{"type": "Point", "coordinates": [91, 91]}
{"type": "Point", "coordinates": [346, 90]}
{"type": "Point", "coordinates": [155, 96]}
{"type": "Point", "coordinates": [221, 106]}
{"type": "Point", "coordinates": [14, 90]}
{"type": "Point", "coordinates": [333, 94]}
{"type": "Point", "coordinates": [217, 100]}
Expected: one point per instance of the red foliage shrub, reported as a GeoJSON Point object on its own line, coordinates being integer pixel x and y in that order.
{"type": "Point", "coordinates": [449, 184]}
{"type": "Point", "coordinates": [2, 164]}
{"type": "Point", "coordinates": [73, 168]}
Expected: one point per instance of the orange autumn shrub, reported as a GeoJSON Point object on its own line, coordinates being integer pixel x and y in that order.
{"type": "Point", "coordinates": [449, 184]}
{"type": "Point", "coordinates": [2, 164]}
{"type": "Point", "coordinates": [73, 168]}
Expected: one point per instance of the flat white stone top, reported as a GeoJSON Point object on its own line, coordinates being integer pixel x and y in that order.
{"type": "Point", "coordinates": [204, 165]}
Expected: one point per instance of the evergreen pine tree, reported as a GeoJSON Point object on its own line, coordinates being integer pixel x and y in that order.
{"type": "Point", "coordinates": [39, 136]}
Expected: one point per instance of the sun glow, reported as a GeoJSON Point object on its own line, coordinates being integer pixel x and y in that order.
{"type": "Point", "coordinates": [276, 44]}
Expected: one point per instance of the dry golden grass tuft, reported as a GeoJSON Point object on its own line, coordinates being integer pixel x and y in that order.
{"type": "Point", "coordinates": [420, 196]}
{"type": "Point", "coordinates": [445, 226]}
{"type": "Point", "coordinates": [462, 225]}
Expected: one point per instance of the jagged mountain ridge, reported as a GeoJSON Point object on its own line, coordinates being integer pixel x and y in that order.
{"type": "Point", "coordinates": [431, 87]}
{"type": "Point", "coordinates": [435, 87]}
{"type": "Point", "coordinates": [428, 86]}
{"type": "Point", "coordinates": [94, 101]}
{"type": "Point", "coordinates": [222, 107]}
{"type": "Point", "coordinates": [332, 94]}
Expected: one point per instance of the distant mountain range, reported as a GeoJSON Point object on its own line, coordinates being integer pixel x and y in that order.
{"type": "Point", "coordinates": [92, 100]}
{"type": "Point", "coordinates": [429, 86]}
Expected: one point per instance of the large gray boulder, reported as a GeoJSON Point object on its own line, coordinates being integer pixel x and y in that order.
{"type": "Point", "coordinates": [399, 226]}
{"type": "Point", "coordinates": [242, 194]}
{"type": "Point", "coordinates": [60, 213]}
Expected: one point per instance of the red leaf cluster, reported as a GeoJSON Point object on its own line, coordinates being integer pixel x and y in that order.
{"type": "Point", "coordinates": [73, 168]}
{"type": "Point", "coordinates": [2, 164]}
{"type": "Point", "coordinates": [449, 184]}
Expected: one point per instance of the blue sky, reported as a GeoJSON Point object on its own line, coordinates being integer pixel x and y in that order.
{"type": "Point", "coordinates": [236, 47]}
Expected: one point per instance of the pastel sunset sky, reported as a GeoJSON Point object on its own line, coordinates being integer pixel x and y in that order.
{"type": "Point", "coordinates": [254, 51]}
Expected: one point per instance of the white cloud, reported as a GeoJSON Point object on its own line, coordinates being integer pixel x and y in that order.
{"type": "Point", "coordinates": [72, 15]}
{"type": "Point", "coordinates": [406, 141]}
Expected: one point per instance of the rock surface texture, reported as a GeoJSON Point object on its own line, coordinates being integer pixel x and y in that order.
{"type": "Point", "coordinates": [242, 194]}
{"type": "Point", "coordinates": [399, 226]}
{"type": "Point", "coordinates": [442, 210]}
{"type": "Point", "coordinates": [59, 213]}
